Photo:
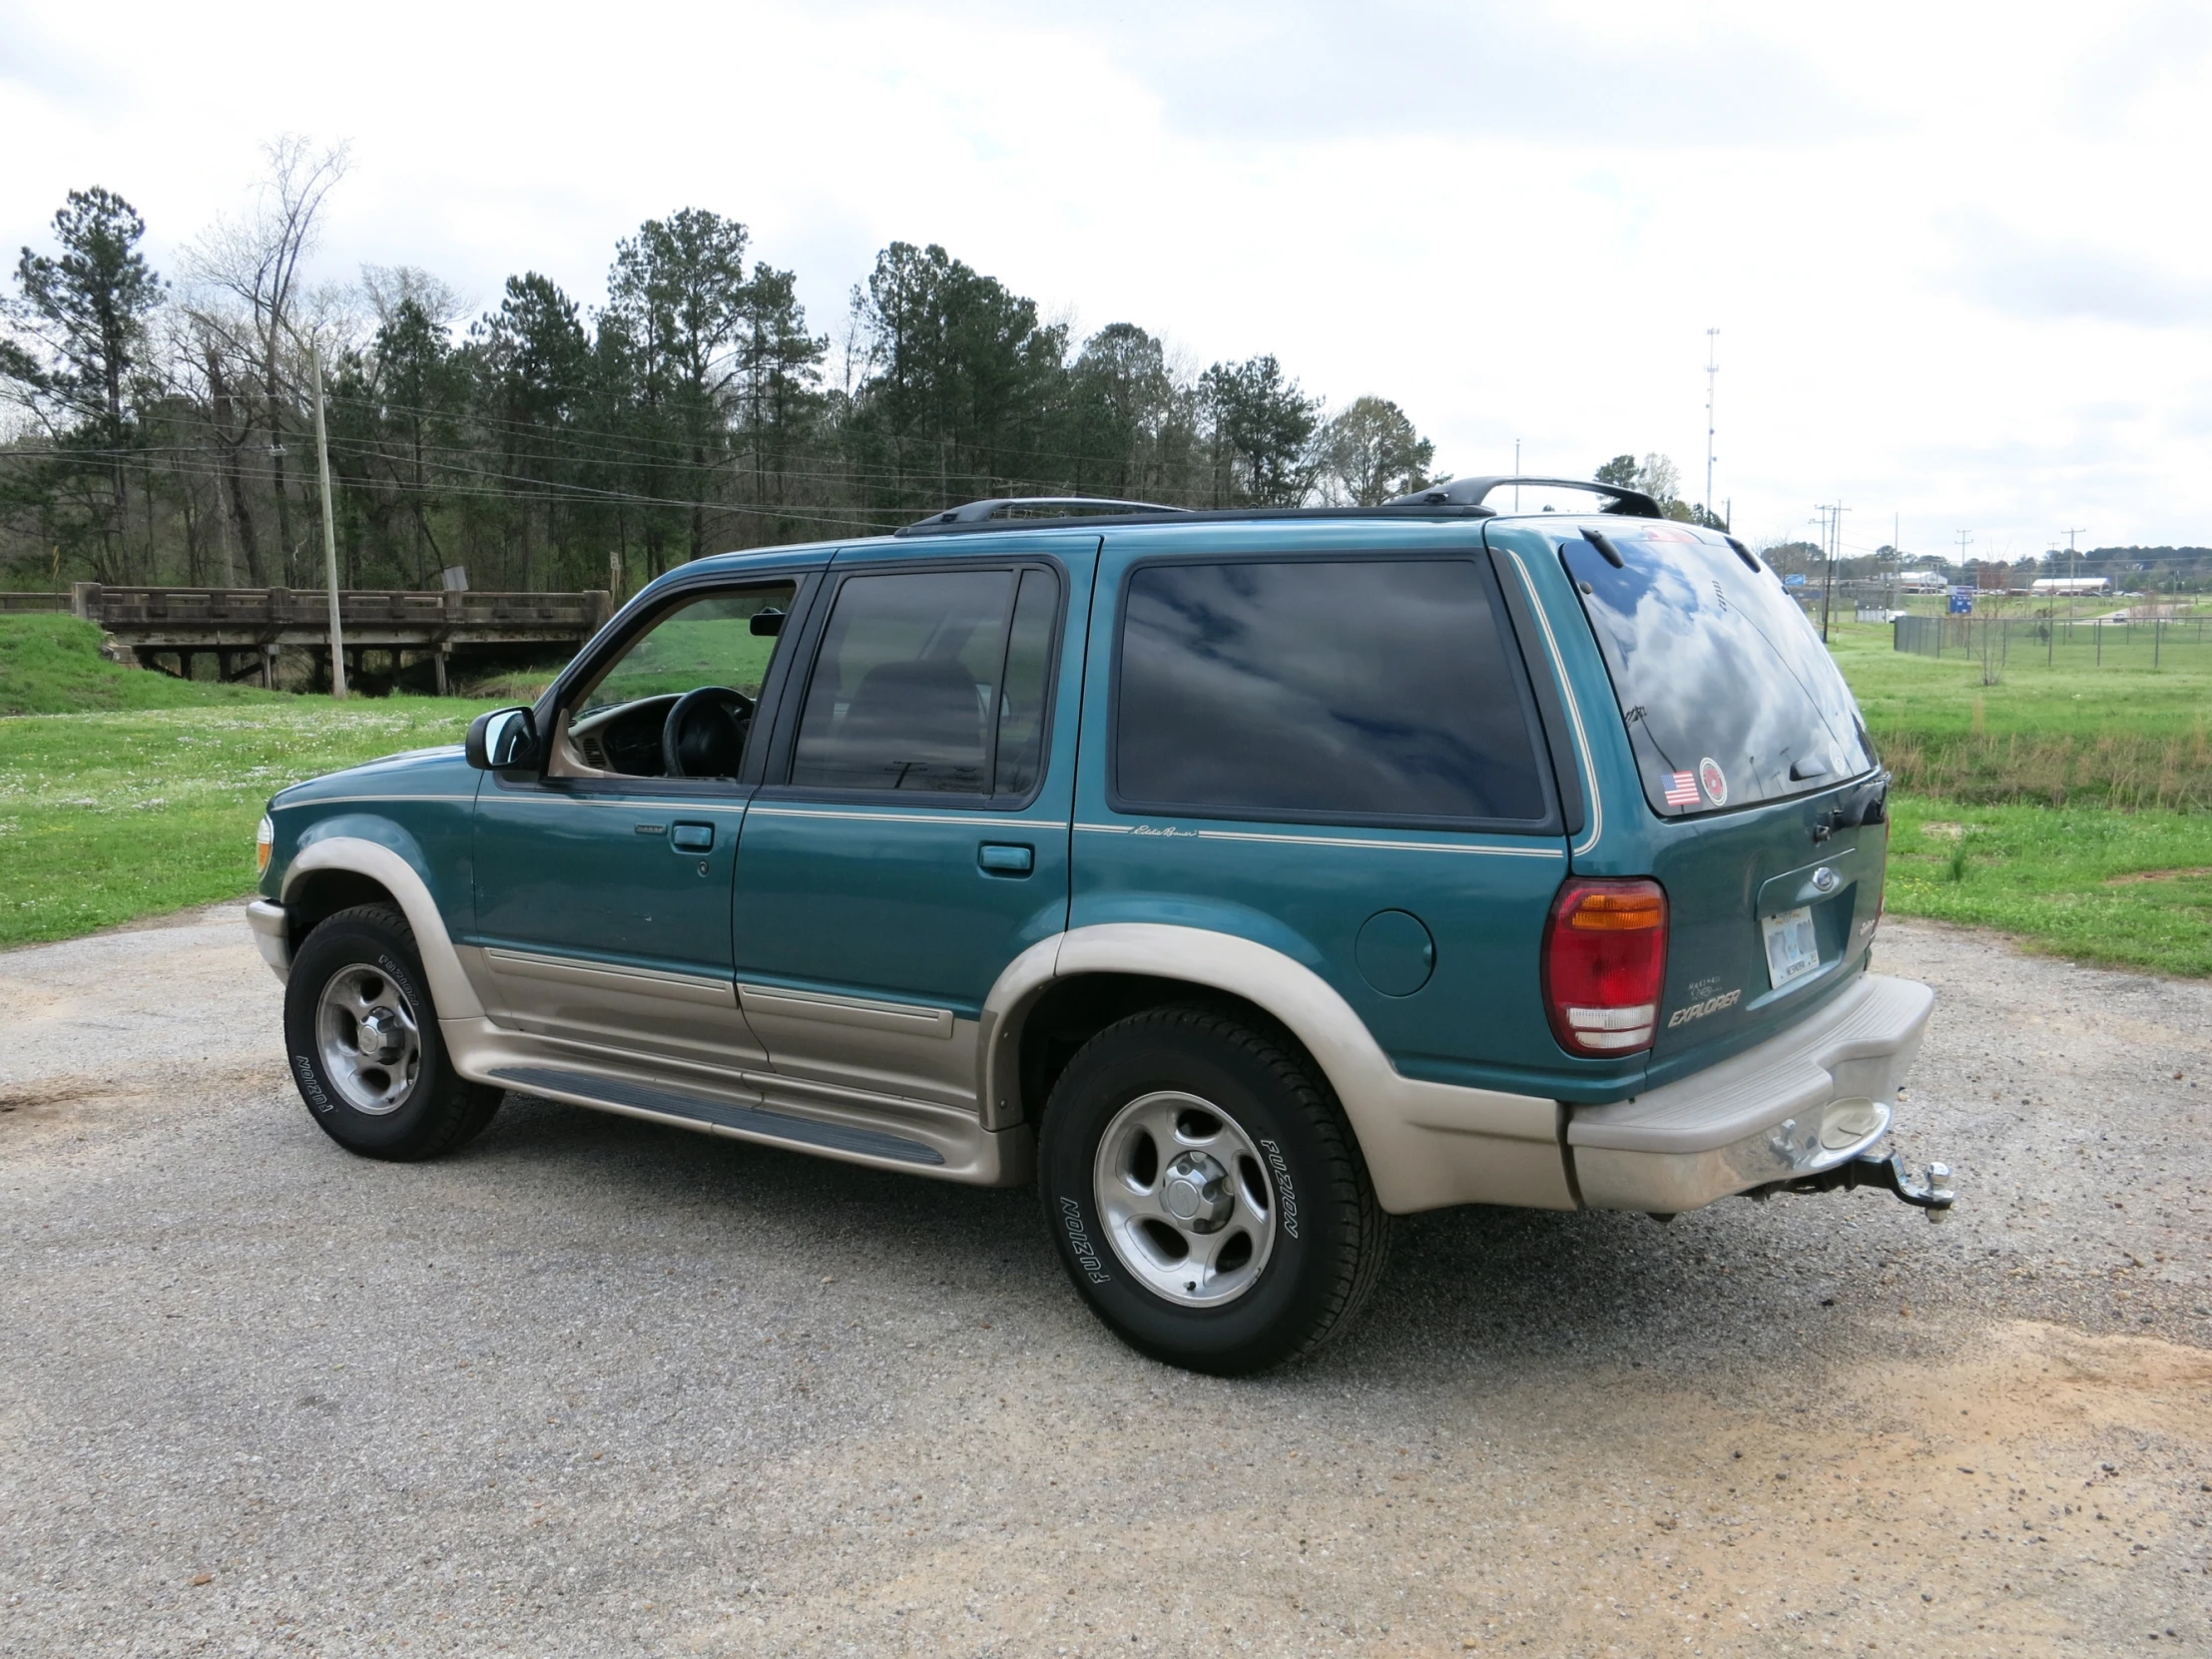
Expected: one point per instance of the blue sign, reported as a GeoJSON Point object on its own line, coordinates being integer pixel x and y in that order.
{"type": "Point", "coordinates": [1794, 580]}
{"type": "Point", "coordinates": [1962, 602]}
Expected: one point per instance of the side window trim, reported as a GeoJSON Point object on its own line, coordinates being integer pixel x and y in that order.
{"type": "Point", "coordinates": [1515, 664]}
{"type": "Point", "coordinates": [779, 752]}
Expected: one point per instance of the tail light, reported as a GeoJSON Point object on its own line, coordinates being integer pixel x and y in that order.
{"type": "Point", "coordinates": [1605, 958]}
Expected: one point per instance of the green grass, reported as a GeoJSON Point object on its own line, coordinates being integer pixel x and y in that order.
{"type": "Point", "coordinates": [2070, 881]}
{"type": "Point", "coordinates": [2047, 790]}
{"type": "Point", "coordinates": [143, 798]}
{"type": "Point", "coordinates": [2124, 735]}
{"type": "Point", "coordinates": [105, 818]}
{"type": "Point", "coordinates": [50, 665]}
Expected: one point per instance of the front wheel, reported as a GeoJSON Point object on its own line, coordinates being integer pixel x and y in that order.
{"type": "Point", "coordinates": [1206, 1193]}
{"type": "Point", "coordinates": [362, 1037]}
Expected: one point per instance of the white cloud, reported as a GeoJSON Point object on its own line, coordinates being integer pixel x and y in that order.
{"type": "Point", "coordinates": [1955, 252]}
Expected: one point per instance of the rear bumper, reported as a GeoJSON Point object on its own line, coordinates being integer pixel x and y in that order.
{"type": "Point", "coordinates": [1811, 1098]}
{"type": "Point", "coordinates": [272, 934]}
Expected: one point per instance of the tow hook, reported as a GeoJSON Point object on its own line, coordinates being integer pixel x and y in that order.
{"type": "Point", "coordinates": [1933, 1194]}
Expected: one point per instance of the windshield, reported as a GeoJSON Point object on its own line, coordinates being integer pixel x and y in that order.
{"type": "Point", "coordinates": [1729, 695]}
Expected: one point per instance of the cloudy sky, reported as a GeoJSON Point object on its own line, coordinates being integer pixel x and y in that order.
{"type": "Point", "coordinates": [1960, 256]}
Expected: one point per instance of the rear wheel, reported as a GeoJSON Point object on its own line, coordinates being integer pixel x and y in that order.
{"type": "Point", "coordinates": [1206, 1193]}
{"type": "Point", "coordinates": [364, 1040]}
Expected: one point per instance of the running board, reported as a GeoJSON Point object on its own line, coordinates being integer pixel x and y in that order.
{"type": "Point", "coordinates": [706, 1111]}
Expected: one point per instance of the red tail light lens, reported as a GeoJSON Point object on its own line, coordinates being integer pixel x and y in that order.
{"type": "Point", "coordinates": [1605, 958]}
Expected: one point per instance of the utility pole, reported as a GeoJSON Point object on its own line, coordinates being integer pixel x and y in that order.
{"type": "Point", "coordinates": [1964, 536]}
{"type": "Point", "coordinates": [329, 534]}
{"type": "Point", "coordinates": [1834, 548]}
{"type": "Point", "coordinates": [1516, 475]}
{"type": "Point", "coordinates": [1712, 371]}
{"type": "Point", "coordinates": [1820, 517]}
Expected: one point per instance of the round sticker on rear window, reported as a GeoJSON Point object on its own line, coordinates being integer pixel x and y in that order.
{"type": "Point", "coordinates": [1715, 780]}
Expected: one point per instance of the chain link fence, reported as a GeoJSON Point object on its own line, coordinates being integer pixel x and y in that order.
{"type": "Point", "coordinates": [2057, 642]}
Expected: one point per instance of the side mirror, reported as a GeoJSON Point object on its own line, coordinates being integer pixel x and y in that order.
{"type": "Point", "coordinates": [767, 624]}
{"type": "Point", "coordinates": [502, 740]}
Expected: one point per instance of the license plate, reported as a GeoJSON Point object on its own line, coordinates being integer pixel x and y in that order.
{"type": "Point", "coordinates": [1793, 951]}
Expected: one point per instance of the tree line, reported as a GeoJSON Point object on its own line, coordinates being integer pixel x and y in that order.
{"type": "Point", "coordinates": [162, 423]}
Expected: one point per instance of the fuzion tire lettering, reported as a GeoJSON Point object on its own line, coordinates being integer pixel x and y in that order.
{"type": "Point", "coordinates": [1285, 1194]}
{"type": "Point", "coordinates": [1079, 1240]}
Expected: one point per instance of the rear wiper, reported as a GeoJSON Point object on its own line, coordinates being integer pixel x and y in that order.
{"type": "Point", "coordinates": [1800, 771]}
{"type": "Point", "coordinates": [1604, 544]}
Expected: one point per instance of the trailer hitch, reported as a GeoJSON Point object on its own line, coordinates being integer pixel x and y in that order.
{"type": "Point", "coordinates": [1933, 1194]}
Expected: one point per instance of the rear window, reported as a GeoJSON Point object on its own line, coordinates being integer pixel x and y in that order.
{"type": "Point", "coordinates": [1333, 691]}
{"type": "Point", "coordinates": [1729, 695]}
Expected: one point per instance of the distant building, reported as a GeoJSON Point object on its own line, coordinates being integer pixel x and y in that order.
{"type": "Point", "coordinates": [2070, 584]}
{"type": "Point", "coordinates": [1923, 581]}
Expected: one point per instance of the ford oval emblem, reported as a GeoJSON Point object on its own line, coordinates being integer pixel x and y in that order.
{"type": "Point", "coordinates": [1824, 880]}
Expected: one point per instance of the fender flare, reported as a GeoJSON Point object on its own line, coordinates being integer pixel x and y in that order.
{"type": "Point", "coordinates": [449, 985]}
{"type": "Point", "coordinates": [1395, 1119]}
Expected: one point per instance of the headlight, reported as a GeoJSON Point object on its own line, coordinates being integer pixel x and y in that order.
{"type": "Point", "coordinates": [264, 843]}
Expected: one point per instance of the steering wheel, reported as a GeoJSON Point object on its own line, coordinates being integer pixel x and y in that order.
{"type": "Point", "coordinates": [704, 734]}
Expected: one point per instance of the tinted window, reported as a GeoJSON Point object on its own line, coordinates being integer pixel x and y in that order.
{"type": "Point", "coordinates": [1370, 689]}
{"type": "Point", "coordinates": [1729, 695]}
{"type": "Point", "coordinates": [1021, 705]}
{"type": "Point", "coordinates": [931, 680]}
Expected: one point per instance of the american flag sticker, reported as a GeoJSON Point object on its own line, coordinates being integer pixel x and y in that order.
{"type": "Point", "coordinates": [1681, 789]}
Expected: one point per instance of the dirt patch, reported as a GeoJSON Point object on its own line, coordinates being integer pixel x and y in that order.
{"type": "Point", "coordinates": [40, 1112]}
{"type": "Point", "coordinates": [1966, 1497]}
{"type": "Point", "coordinates": [31, 1098]}
{"type": "Point", "coordinates": [2192, 873]}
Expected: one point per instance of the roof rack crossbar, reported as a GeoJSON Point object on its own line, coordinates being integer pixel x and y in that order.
{"type": "Point", "coordinates": [1064, 506]}
{"type": "Point", "coordinates": [1468, 492]}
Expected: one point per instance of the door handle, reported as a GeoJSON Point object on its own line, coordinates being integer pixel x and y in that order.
{"type": "Point", "coordinates": [1003, 858]}
{"type": "Point", "coordinates": [691, 837]}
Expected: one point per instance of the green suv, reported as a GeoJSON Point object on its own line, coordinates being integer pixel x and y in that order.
{"type": "Point", "coordinates": [1243, 878]}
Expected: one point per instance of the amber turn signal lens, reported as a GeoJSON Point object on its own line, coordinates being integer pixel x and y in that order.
{"type": "Point", "coordinates": [264, 843]}
{"type": "Point", "coordinates": [1618, 911]}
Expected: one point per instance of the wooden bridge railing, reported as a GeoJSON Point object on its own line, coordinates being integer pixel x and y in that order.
{"type": "Point", "coordinates": [256, 623]}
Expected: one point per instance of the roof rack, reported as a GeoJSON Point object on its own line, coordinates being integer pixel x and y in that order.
{"type": "Point", "coordinates": [1468, 492]}
{"type": "Point", "coordinates": [1461, 498]}
{"type": "Point", "coordinates": [1024, 506]}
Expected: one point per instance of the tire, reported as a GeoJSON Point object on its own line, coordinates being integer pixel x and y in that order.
{"type": "Point", "coordinates": [405, 1101]}
{"type": "Point", "coordinates": [1284, 1172]}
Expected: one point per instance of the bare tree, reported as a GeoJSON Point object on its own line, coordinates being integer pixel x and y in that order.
{"type": "Point", "coordinates": [249, 273]}
{"type": "Point", "coordinates": [388, 287]}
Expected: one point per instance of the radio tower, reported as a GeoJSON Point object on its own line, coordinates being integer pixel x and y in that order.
{"type": "Point", "coordinates": [1712, 371]}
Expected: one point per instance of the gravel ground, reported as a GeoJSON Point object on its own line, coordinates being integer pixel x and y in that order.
{"type": "Point", "coordinates": [598, 1387]}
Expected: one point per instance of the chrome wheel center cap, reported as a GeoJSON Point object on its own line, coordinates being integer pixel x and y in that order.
{"type": "Point", "coordinates": [378, 1036]}
{"type": "Point", "coordinates": [1193, 1189]}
